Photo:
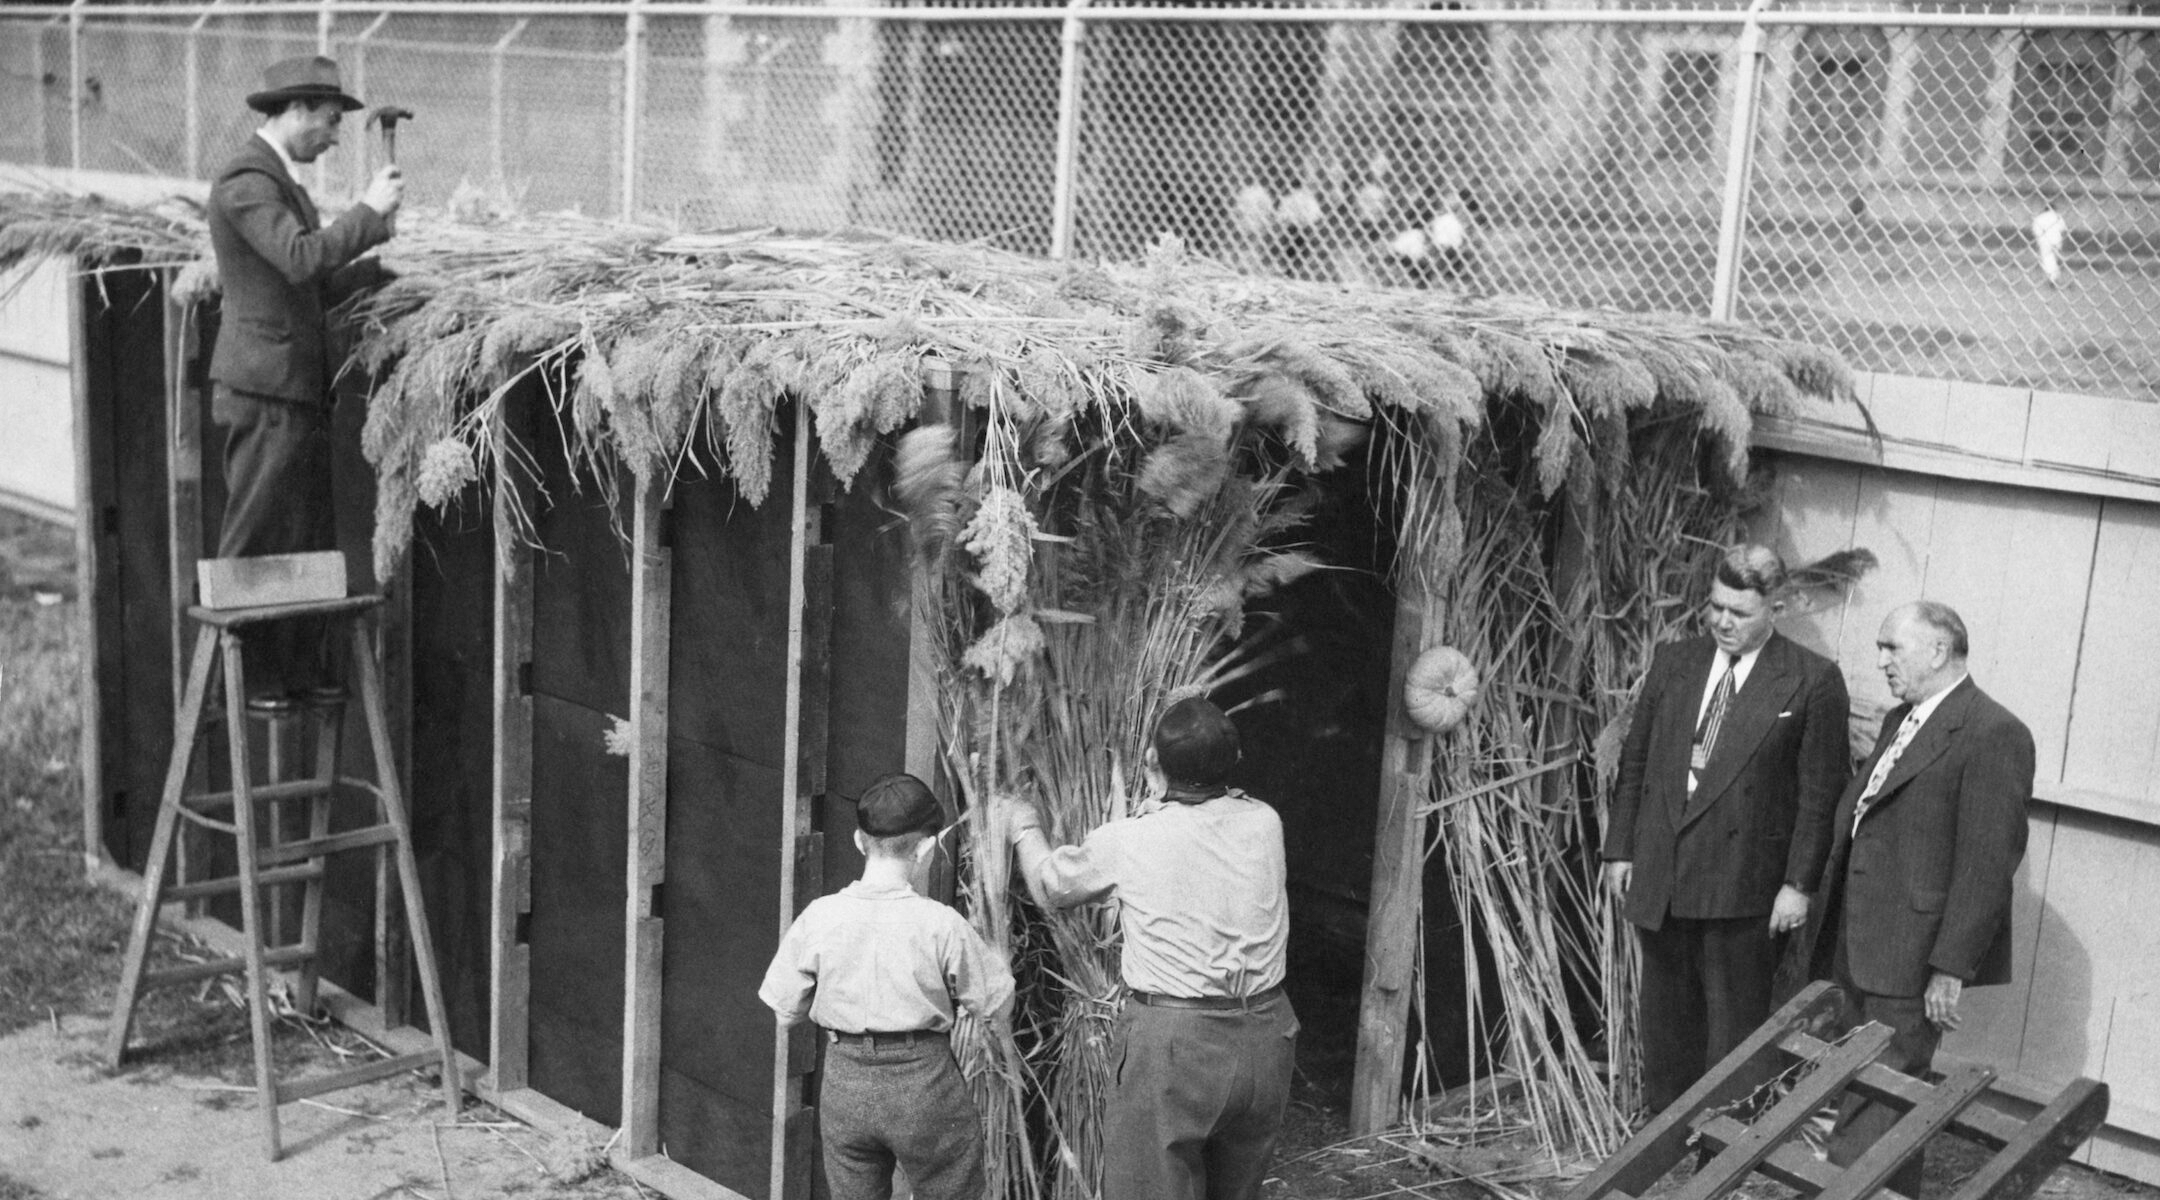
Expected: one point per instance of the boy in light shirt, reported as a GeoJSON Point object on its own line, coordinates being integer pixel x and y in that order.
{"type": "Point", "coordinates": [883, 970]}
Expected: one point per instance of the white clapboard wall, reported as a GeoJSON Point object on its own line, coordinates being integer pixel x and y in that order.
{"type": "Point", "coordinates": [2036, 516]}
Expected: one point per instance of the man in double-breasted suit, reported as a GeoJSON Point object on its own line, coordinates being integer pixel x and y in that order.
{"type": "Point", "coordinates": [1720, 820]}
{"type": "Point", "coordinates": [282, 270]}
{"type": "Point", "coordinates": [1928, 838]}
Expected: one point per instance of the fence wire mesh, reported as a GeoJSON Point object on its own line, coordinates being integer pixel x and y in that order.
{"type": "Point", "coordinates": [1940, 197]}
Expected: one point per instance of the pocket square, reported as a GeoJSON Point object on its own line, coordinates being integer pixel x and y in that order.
{"type": "Point", "coordinates": [1781, 716]}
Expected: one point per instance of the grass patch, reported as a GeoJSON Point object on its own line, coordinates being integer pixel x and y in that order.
{"type": "Point", "coordinates": [60, 935]}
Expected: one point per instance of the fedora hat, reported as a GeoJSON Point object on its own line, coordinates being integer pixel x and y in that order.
{"type": "Point", "coordinates": [311, 78]}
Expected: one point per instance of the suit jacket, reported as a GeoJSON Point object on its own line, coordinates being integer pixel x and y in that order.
{"type": "Point", "coordinates": [1924, 884]}
{"type": "Point", "coordinates": [1760, 815]}
{"type": "Point", "coordinates": [281, 271]}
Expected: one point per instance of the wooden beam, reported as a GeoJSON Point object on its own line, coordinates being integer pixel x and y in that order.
{"type": "Point", "coordinates": [797, 805]}
{"type": "Point", "coordinates": [184, 523]}
{"type": "Point", "coordinates": [651, 595]}
{"type": "Point", "coordinates": [89, 600]}
{"type": "Point", "coordinates": [1398, 892]}
{"type": "Point", "coordinates": [510, 957]}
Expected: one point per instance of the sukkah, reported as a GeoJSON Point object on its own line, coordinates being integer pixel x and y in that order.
{"type": "Point", "coordinates": [1138, 448]}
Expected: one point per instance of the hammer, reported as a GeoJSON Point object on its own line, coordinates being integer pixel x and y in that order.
{"type": "Point", "coordinates": [388, 116]}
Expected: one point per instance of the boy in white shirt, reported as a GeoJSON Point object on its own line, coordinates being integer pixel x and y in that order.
{"type": "Point", "coordinates": [884, 969]}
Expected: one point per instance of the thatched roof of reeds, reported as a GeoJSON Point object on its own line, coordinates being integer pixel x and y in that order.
{"type": "Point", "coordinates": [666, 345]}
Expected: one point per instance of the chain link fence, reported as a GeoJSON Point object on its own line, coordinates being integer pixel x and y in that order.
{"type": "Point", "coordinates": [1962, 193]}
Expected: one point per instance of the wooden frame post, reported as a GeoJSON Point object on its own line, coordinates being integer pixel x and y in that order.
{"type": "Point", "coordinates": [510, 910]}
{"type": "Point", "coordinates": [651, 595]}
{"type": "Point", "coordinates": [89, 598]}
{"type": "Point", "coordinates": [184, 521]}
{"type": "Point", "coordinates": [1398, 884]}
{"type": "Point", "coordinates": [802, 782]}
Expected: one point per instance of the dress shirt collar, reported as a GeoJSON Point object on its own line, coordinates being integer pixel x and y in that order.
{"type": "Point", "coordinates": [292, 169]}
{"type": "Point", "coordinates": [1926, 708]}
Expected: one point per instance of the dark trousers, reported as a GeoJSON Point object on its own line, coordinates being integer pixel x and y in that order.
{"type": "Point", "coordinates": [1196, 1100]}
{"type": "Point", "coordinates": [1913, 1038]}
{"type": "Point", "coordinates": [899, 1104]}
{"type": "Point", "coordinates": [1705, 988]}
{"type": "Point", "coordinates": [277, 501]}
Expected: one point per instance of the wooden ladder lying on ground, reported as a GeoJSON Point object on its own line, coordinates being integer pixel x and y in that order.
{"type": "Point", "coordinates": [280, 863]}
{"type": "Point", "coordinates": [2025, 1151]}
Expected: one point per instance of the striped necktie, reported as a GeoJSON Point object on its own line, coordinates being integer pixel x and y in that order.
{"type": "Point", "coordinates": [1713, 719]}
{"type": "Point", "coordinates": [1905, 732]}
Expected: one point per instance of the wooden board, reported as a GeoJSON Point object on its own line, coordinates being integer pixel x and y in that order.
{"type": "Point", "coordinates": [644, 925]}
{"type": "Point", "coordinates": [2094, 956]}
{"type": "Point", "coordinates": [726, 805]}
{"type": "Point", "coordinates": [122, 377]}
{"type": "Point", "coordinates": [2115, 726]}
{"type": "Point", "coordinates": [576, 931]}
{"type": "Point", "coordinates": [451, 735]}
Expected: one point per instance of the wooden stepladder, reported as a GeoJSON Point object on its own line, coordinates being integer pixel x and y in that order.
{"type": "Point", "coordinates": [273, 863]}
{"type": "Point", "coordinates": [2025, 1151]}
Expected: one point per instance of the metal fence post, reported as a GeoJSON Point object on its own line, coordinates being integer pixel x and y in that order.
{"type": "Point", "coordinates": [1063, 181]}
{"type": "Point", "coordinates": [324, 18]}
{"type": "Point", "coordinates": [633, 75]}
{"type": "Point", "coordinates": [193, 115]}
{"type": "Point", "coordinates": [75, 84]}
{"type": "Point", "coordinates": [1739, 164]}
{"type": "Point", "coordinates": [360, 88]}
{"type": "Point", "coordinates": [498, 87]}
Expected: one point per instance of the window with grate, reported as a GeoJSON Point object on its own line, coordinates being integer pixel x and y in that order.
{"type": "Point", "coordinates": [2059, 111]}
{"type": "Point", "coordinates": [2143, 158]}
{"type": "Point", "coordinates": [1837, 104]}
{"type": "Point", "coordinates": [1946, 115]}
{"type": "Point", "coordinates": [1687, 101]}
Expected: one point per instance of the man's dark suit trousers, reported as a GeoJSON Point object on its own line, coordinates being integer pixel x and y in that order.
{"type": "Point", "coordinates": [277, 501]}
{"type": "Point", "coordinates": [1705, 988]}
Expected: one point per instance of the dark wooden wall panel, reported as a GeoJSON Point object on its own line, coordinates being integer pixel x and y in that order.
{"type": "Point", "coordinates": [872, 574]}
{"type": "Point", "coordinates": [723, 920]}
{"type": "Point", "coordinates": [580, 843]}
{"type": "Point", "coordinates": [729, 653]}
{"type": "Point", "coordinates": [580, 809]}
{"type": "Point", "coordinates": [727, 703]}
{"type": "Point", "coordinates": [451, 577]}
{"type": "Point", "coordinates": [124, 365]}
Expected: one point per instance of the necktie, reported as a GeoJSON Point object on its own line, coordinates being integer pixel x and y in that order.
{"type": "Point", "coordinates": [1905, 732]}
{"type": "Point", "coordinates": [1713, 719]}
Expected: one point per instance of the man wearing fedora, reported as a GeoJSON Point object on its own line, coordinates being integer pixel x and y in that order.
{"type": "Point", "coordinates": [282, 269]}
{"type": "Point", "coordinates": [1206, 1039]}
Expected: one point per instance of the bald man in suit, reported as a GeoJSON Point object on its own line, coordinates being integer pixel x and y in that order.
{"type": "Point", "coordinates": [1720, 819]}
{"type": "Point", "coordinates": [1928, 839]}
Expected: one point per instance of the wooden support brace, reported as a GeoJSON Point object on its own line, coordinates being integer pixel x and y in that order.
{"type": "Point", "coordinates": [651, 596]}
{"type": "Point", "coordinates": [1398, 893]}
{"type": "Point", "coordinates": [510, 969]}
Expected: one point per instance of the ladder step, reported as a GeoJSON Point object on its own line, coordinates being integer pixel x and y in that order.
{"type": "Point", "coordinates": [1790, 1164]}
{"type": "Point", "coordinates": [283, 956]}
{"type": "Point", "coordinates": [296, 789]}
{"type": "Point", "coordinates": [1880, 1161]}
{"type": "Point", "coordinates": [231, 883]}
{"type": "Point", "coordinates": [1990, 1127]}
{"type": "Point", "coordinates": [284, 852]}
{"type": "Point", "coordinates": [303, 1088]}
{"type": "Point", "coordinates": [196, 818]}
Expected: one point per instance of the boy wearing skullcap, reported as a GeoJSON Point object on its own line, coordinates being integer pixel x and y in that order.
{"type": "Point", "coordinates": [1206, 1039]}
{"type": "Point", "coordinates": [884, 970]}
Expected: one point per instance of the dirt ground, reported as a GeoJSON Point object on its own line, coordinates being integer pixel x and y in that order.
{"type": "Point", "coordinates": [179, 1121]}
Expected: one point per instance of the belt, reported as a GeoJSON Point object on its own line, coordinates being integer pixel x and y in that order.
{"type": "Point", "coordinates": [877, 1039]}
{"type": "Point", "coordinates": [1209, 1003]}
